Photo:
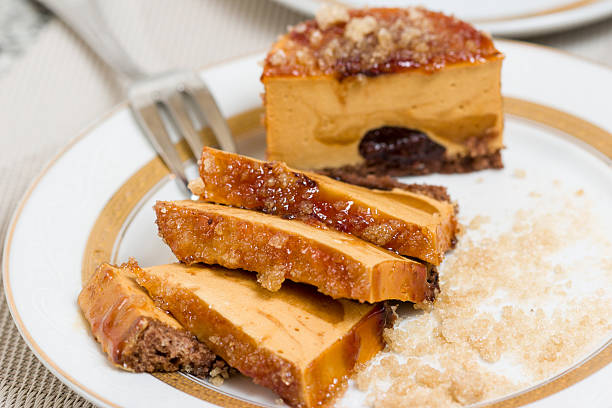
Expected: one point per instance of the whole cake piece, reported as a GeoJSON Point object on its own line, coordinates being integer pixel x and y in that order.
{"type": "Point", "coordinates": [339, 265]}
{"type": "Point", "coordinates": [134, 333]}
{"type": "Point", "coordinates": [384, 91]}
{"type": "Point", "coordinates": [411, 224]}
{"type": "Point", "coordinates": [301, 344]}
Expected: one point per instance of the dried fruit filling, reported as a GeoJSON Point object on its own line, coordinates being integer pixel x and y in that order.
{"type": "Point", "coordinates": [399, 146]}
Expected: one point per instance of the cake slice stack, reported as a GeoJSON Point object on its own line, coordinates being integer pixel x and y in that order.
{"type": "Point", "coordinates": [258, 226]}
{"type": "Point", "coordinates": [348, 241]}
{"type": "Point", "coordinates": [339, 265]}
{"type": "Point", "coordinates": [408, 223]}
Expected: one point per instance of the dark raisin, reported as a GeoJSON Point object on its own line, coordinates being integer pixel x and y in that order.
{"type": "Point", "coordinates": [399, 145]}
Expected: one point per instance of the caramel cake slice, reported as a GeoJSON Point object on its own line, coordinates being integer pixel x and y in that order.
{"type": "Point", "coordinates": [296, 341]}
{"type": "Point", "coordinates": [339, 265]}
{"type": "Point", "coordinates": [410, 224]}
{"type": "Point", "coordinates": [384, 91]}
{"type": "Point", "coordinates": [134, 333]}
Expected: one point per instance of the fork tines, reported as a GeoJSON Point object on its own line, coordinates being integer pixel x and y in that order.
{"type": "Point", "coordinates": [178, 105]}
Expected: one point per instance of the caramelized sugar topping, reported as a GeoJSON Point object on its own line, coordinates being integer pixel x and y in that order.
{"type": "Point", "coordinates": [339, 265]}
{"type": "Point", "coordinates": [376, 41]}
{"type": "Point", "coordinates": [405, 223]}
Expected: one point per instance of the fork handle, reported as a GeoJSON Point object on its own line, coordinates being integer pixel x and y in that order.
{"type": "Point", "coordinates": [85, 19]}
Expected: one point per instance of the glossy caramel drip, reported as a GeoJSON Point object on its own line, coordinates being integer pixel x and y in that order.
{"type": "Point", "coordinates": [387, 40]}
{"type": "Point", "coordinates": [410, 224]}
{"type": "Point", "coordinates": [118, 310]}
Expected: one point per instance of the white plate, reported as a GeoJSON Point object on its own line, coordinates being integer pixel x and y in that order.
{"type": "Point", "coordinates": [518, 18]}
{"type": "Point", "coordinates": [78, 197]}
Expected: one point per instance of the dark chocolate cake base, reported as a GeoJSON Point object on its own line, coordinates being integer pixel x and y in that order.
{"type": "Point", "coordinates": [385, 182]}
{"type": "Point", "coordinates": [155, 346]}
{"type": "Point", "coordinates": [433, 279]}
{"type": "Point", "coordinates": [416, 168]}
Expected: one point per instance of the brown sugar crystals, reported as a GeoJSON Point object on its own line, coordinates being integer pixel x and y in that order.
{"type": "Point", "coordinates": [508, 308]}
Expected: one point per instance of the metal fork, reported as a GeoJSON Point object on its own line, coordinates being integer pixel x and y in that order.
{"type": "Point", "coordinates": [176, 102]}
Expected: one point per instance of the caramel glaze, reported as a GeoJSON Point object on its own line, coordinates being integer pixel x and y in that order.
{"type": "Point", "coordinates": [296, 386]}
{"type": "Point", "coordinates": [137, 335]}
{"type": "Point", "coordinates": [273, 188]}
{"type": "Point", "coordinates": [354, 349]}
{"type": "Point", "coordinates": [436, 40]}
{"type": "Point", "coordinates": [115, 321]}
{"type": "Point", "coordinates": [234, 238]}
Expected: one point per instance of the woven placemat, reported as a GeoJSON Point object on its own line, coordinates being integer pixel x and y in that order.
{"type": "Point", "coordinates": [24, 381]}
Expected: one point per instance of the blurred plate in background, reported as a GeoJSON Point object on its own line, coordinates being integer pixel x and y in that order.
{"type": "Point", "coordinates": [517, 18]}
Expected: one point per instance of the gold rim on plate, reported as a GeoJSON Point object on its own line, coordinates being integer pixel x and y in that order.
{"type": "Point", "coordinates": [552, 10]}
{"type": "Point", "coordinates": [106, 233]}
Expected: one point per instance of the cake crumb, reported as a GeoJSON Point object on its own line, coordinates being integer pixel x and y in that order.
{"type": "Point", "coordinates": [272, 279]}
{"type": "Point", "coordinates": [216, 381]}
{"type": "Point", "coordinates": [535, 194]}
{"type": "Point", "coordinates": [358, 28]}
{"type": "Point", "coordinates": [196, 186]}
{"type": "Point", "coordinates": [519, 173]}
{"type": "Point", "coordinates": [328, 16]}
{"type": "Point", "coordinates": [220, 373]}
{"type": "Point", "coordinates": [579, 193]}
{"type": "Point", "coordinates": [278, 57]}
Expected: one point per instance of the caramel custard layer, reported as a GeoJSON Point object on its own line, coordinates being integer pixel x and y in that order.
{"type": "Point", "coordinates": [453, 108]}
{"type": "Point", "coordinates": [298, 342]}
{"type": "Point", "coordinates": [409, 224]}
{"type": "Point", "coordinates": [339, 265]}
